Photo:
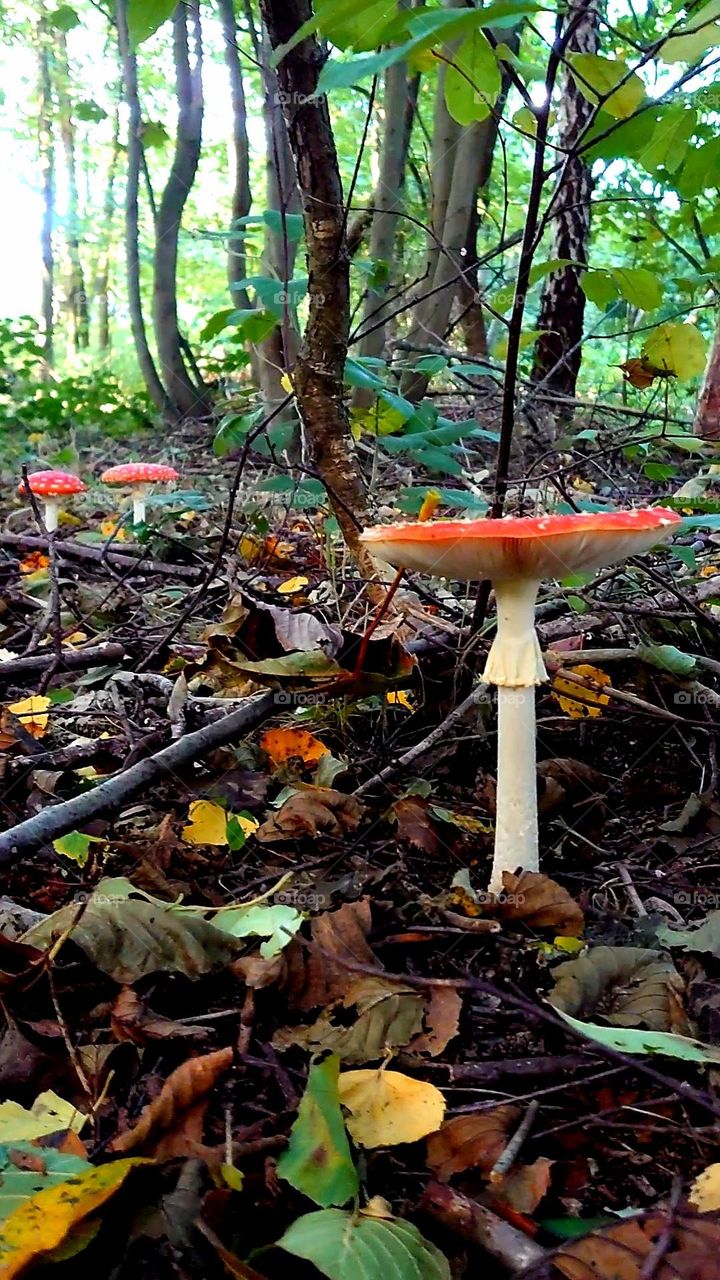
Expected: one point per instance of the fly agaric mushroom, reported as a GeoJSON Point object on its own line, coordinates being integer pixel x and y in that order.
{"type": "Point", "coordinates": [516, 553]}
{"type": "Point", "coordinates": [138, 478]}
{"type": "Point", "coordinates": [50, 487]}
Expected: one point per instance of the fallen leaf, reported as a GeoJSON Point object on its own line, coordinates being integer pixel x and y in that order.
{"type": "Point", "coordinates": [293, 744]}
{"type": "Point", "coordinates": [387, 1107]}
{"type": "Point", "coordinates": [387, 1015]}
{"type": "Point", "coordinates": [440, 1021]}
{"type": "Point", "coordinates": [358, 1246]}
{"type": "Point", "coordinates": [631, 985]}
{"type": "Point", "coordinates": [131, 1020]}
{"type": "Point", "coordinates": [26, 1169]}
{"type": "Point", "coordinates": [292, 584]}
{"type": "Point", "coordinates": [207, 824]}
{"type": "Point", "coordinates": [184, 1089]}
{"type": "Point", "coordinates": [472, 1141]}
{"type": "Point", "coordinates": [317, 1161]}
{"type": "Point", "coordinates": [76, 846]}
{"type": "Point", "coordinates": [317, 975]}
{"type": "Point", "coordinates": [640, 373]}
{"type": "Point", "coordinates": [49, 1114]}
{"type": "Point", "coordinates": [399, 698]}
{"type": "Point", "coordinates": [621, 1250]}
{"type": "Point", "coordinates": [32, 714]}
{"type": "Point", "coordinates": [415, 825]}
{"type": "Point", "coordinates": [311, 812]}
{"type": "Point", "coordinates": [704, 1193]}
{"type": "Point", "coordinates": [33, 561]}
{"type": "Point", "coordinates": [538, 902]}
{"type": "Point", "coordinates": [576, 700]}
{"type": "Point", "coordinates": [524, 1187]}
{"type": "Point", "coordinates": [45, 1220]}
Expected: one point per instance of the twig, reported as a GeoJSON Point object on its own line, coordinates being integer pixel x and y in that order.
{"type": "Point", "coordinates": [474, 1222]}
{"type": "Point", "coordinates": [507, 1158]}
{"type": "Point", "coordinates": [127, 559]}
{"type": "Point", "coordinates": [630, 889]}
{"type": "Point", "coordinates": [73, 659]}
{"type": "Point", "coordinates": [109, 796]}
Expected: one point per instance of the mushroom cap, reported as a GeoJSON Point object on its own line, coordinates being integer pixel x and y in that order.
{"type": "Point", "coordinates": [130, 473]}
{"type": "Point", "coordinates": [531, 547]}
{"type": "Point", "coordinates": [52, 484]}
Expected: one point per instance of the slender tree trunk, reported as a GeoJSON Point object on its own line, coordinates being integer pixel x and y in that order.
{"type": "Point", "coordinates": [558, 350]}
{"type": "Point", "coordinates": [472, 315]}
{"type": "Point", "coordinates": [190, 398]}
{"type": "Point", "coordinates": [321, 360]}
{"type": "Point", "coordinates": [387, 202]}
{"type": "Point", "coordinates": [147, 365]}
{"type": "Point", "coordinates": [707, 414]}
{"type": "Point", "coordinates": [242, 194]}
{"type": "Point", "coordinates": [102, 274]}
{"type": "Point", "coordinates": [46, 150]}
{"type": "Point", "coordinates": [77, 302]}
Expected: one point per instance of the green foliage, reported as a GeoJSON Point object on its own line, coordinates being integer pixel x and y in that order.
{"type": "Point", "coordinates": [473, 80]}
{"type": "Point", "coordinates": [145, 16]}
{"type": "Point", "coordinates": [318, 1161]}
{"type": "Point", "coordinates": [344, 1246]}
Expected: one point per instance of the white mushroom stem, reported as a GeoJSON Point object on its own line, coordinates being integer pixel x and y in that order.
{"type": "Point", "coordinates": [51, 512]}
{"type": "Point", "coordinates": [515, 665]}
{"type": "Point", "coordinates": [139, 497]}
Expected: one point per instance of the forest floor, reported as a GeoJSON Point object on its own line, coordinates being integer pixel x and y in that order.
{"type": "Point", "coordinates": [323, 909]}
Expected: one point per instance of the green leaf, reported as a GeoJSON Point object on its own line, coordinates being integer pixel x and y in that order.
{"type": "Point", "coordinates": [669, 143]}
{"type": "Point", "coordinates": [89, 111]}
{"type": "Point", "coordinates": [639, 286]}
{"type": "Point", "coordinates": [630, 1040]}
{"type": "Point", "coordinates": [667, 658]}
{"type": "Point", "coordinates": [346, 24]}
{"type": "Point", "coordinates": [76, 846]}
{"type": "Point", "coordinates": [343, 73]}
{"type": "Point", "coordinates": [154, 134]}
{"type": "Point", "coordinates": [233, 430]}
{"type": "Point", "coordinates": [345, 1247]}
{"type": "Point", "coordinates": [542, 269]}
{"type": "Point", "coordinates": [600, 78]}
{"type": "Point", "coordinates": [705, 939]}
{"type": "Point", "coordinates": [291, 225]}
{"type": "Point", "coordinates": [145, 16]}
{"type": "Point", "coordinates": [698, 34]}
{"type": "Point", "coordinates": [64, 18]}
{"type": "Point", "coordinates": [318, 1162]}
{"type": "Point", "coordinates": [431, 364]}
{"type": "Point", "coordinates": [276, 923]}
{"type": "Point", "coordinates": [473, 81]}
{"type": "Point", "coordinates": [19, 1183]}
{"type": "Point", "coordinates": [599, 287]}
{"type": "Point", "coordinates": [217, 323]}
{"type": "Point", "coordinates": [677, 348]}
{"type": "Point", "coordinates": [701, 169]}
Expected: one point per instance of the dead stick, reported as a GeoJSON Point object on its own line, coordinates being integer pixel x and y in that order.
{"type": "Point", "coordinates": [73, 659]}
{"type": "Point", "coordinates": [117, 559]}
{"type": "Point", "coordinates": [59, 819]}
{"type": "Point", "coordinates": [474, 1222]}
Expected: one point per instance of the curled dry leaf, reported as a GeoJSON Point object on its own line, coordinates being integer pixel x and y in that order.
{"type": "Point", "coordinates": [317, 975]}
{"type": "Point", "coordinates": [538, 902]}
{"type": "Point", "coordinates": [313, 811]}
{"type": "Point", "coordinates": [387, 1107]}
{"type": "Point", "coordinates": [440, 1022]}
{"type": "Point", "coordinates": [131, 1020]}
{"type": "Point", "coordinates": [415, 825]}
{"type": "Point", "coordinates": [184, 1088]}
{"type": "Point", "coordinates": [473, 1141]}
{"type": "Point", "coordinates": [621, 1251]}
{"type": "Point", "coordinates": [630, 986]}
{"type": "Point", "coordinates": [524, 1187]}
{"type": "Point", "coordinates": [387, 1015]}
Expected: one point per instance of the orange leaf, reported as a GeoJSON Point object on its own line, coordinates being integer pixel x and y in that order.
{"type": "Point", "coordinates": [184, 1088]}
{"type": "Point", "coordinates": [33, 561]}
{"type": "Point", "coordinates": [293, 744]}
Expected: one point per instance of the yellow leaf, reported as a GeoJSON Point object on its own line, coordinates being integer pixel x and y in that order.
{"type": "Point", "coordinates": [293, 744]}
{"type": "Point", "coordinates": [387, 1107]}
{"type": "Point", "coordinates": [571, 945]}
{"type": "Point", "coordinates": [709, 570]}
{"type": "Point", "coordinates": [111, 528]}
{"type": "Point", "coordinates": [576, 701]}
{"type": "Point", "coordinates": [36, 577]}
{"type": "Point", "coordinates": [207, 825]}
{"type": "Point", "coordinates": [32, 714]}
{"type": "Point", "coordinates": [250, 548]}
{"type": "Point", "coordinates": [49, 1113]}
{"type": "Point", "coordinates": [705, 1190]}
{"type": "Point", "coordinates": [292, 584]}
{"type": "Point", "coordinates": [33, 561]}
{"type": "Point", "coordinates": [45, 1220]}
{"type": "Point", "coordinates": [77, 637]}
{"type": "Point", "coordinates": [287, 384]}
{"type": "Point", "coordinates": [248, 825]}
{"type": "Point", "coordinates": [399, 698]}
{"type": "Point", "coordinates": [430, 504]}
{"type": "Point", "coordinates": [676, 348]}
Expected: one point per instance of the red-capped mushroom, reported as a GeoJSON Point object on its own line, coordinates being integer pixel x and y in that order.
{"type": "Point", "coordinates": [516, 553]}
{"type": "Point", "coordinates": [139, 477]}
{"type": "Point", "coordinates": [50, 487]}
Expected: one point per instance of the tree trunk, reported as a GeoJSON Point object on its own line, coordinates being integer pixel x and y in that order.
{"type": "Point", "coordinates": [191, 399]}
{"type": "Point", "coordinates": [399, 101]}
{"type": "Point", "coordinates": [707, 414]}
{"type": "Point", "coordinates": [321, 360]}
{"type": "Point", "coordinates": [558, 350]}
{"type": "Point", "coordinates": [132, 219]}
{"type": "Point", "coordinates": [46, 151]}
{"type": "Point", "coordinates": [77, 303]}
{"type": "Point", "coordinates": [102, 274]}
{"type": "Point", "coordinates": [242, 194]}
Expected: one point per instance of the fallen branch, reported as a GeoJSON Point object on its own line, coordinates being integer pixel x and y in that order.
{"type": "Point", "coordinates": [59, 819]}
{"type": "Point", "coordinates": [126, 559]}
{"type": "Point", "coordinates": [474, 1222]}
{"type": "Point", "coordinates": [98, 655]}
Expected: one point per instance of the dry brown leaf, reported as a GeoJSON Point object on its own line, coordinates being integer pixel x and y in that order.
{"type": "Point", "coordinates": [524, 1187]}
{"type": "Point", "coordinates": [538, 902]}
{"type": "Point", "coordinates": [415, 825]}
{"type": "Point", "coordinates": [315, 978]}
{"type": "Point", "coordinates": [472, 1141]}
{"type": "Point", "coordinates": [440, 1022]}
{"type": "Point", "coordinates": [619, 1252]}
{"type": "Point", "coordinates": [311, 812]}
{"type": "Point", "coordinates": [567, 783]}
{"type": "Point", "coordinates": [630, 986]}
{"type": "Point", "coordinates": [387, 1016]}
{"type": "Point", "coordinates": [257, 972]}
{"type": "Point", "coordinates": [131, 1020]}
{"type": "Point", "coordinates": [183, 1089]}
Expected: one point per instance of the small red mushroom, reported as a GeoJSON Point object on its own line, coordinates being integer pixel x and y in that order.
{"type": "Point", "coordinates": [516, 553]}
{"type": "Point", "coordinates": [138, 478]}
{"type": "Point", "coordinates": [49, 486]}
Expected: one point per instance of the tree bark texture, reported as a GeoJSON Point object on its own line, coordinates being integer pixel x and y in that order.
{"type": "Point", "coordinates": [46, 151]}
{"type": "Point", "coordinates": [102, 273]}
{"type": "Point", "coordinates": [147, 365]}
{"type": "Point", "coordinates": [189, 398]}
{"type": "Point", "coordinates": [241, 194]}
{"type": "Point", "coordinates": [707, 414]}
{"type": "Point", "coordinates": [320, 364]}
{"type": "Point", "coordinates": [558, 350]}
{"type": "Point", "coordinates": [77, 301]}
